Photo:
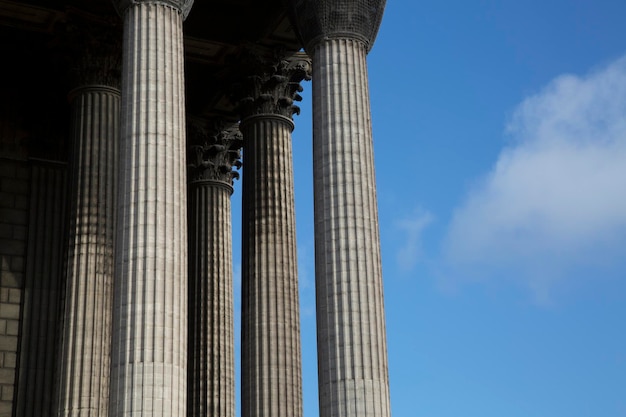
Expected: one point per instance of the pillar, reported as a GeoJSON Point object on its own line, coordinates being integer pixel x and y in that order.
{"type": "Point", "coordinates": [85, 349]}
{"type": "Point", "coordinates": [352, 352]}
{"type": "Point", "coordinates": [149, 354]}
{"type": "Point", "coordinates": [271, 353]}
{"type": "Point", "coordinates": [214, 150]}
{"type": "Point", "coordinates": [39, 318]}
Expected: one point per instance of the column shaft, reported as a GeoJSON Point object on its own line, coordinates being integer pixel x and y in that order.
{"type": "Point", "coordinates": [86, 339]}
{"type": "Point", "coordinates": [271, 376]}
{"type": "Point", "coordinates": [148, 369]}
{"type": "Point", "coordinates": [352, 351]}
{"type": "Point", "coordinates": [211, 326]}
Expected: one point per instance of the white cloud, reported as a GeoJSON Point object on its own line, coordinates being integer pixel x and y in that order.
{"type": "Point", "coordinates": [555, 201]}
{"type": "Point", "coordinates": [413, 226]}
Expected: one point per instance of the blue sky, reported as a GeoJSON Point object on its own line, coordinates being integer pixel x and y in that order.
{"type": "Point", "coordinates": [500, 148]}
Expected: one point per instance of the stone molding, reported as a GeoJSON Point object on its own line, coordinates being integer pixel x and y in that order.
{"type": "Point", "coordinates": [317, 20]}
{"type": "Point", "coordinates": [215, 148]}
{"type": "Point", "coordinates": [182, 6]}
{"type": "Point", "coordinates": [271, 85]}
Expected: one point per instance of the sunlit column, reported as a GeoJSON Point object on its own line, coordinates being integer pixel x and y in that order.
{"type": "Point", "coordinates": [352, 350]}
{"type": "Point", "coordinates": [149, 354]}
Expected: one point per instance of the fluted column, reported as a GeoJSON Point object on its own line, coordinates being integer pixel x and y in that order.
{"type": "Point", "coordinates": [271, 353]}
{"type": "Point", "coordinates": [213, 152]}
{"type": "Point", "coordinates": [352, 350]}
{"type": "Point", "coordinates": [149, 354]}
{"type": "Point", "coordinates": [84, 357]}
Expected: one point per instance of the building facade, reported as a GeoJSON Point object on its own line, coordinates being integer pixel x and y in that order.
{"type": "Point", "coordinates": [123, 127]}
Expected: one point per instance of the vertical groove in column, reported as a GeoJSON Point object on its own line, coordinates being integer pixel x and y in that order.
{"type": "Point", "coordinates": [211, 338]}
{"type": "Point", "coordinates": [85, 347]}
{"type": "Point", "coordinates": [352, 351]}
{"type": "Point", "coordinates": [271, 365]}
{"type": "Point", "coordinates": [148, 364]}
{"type": "Point", "coordinates": [42, 287]}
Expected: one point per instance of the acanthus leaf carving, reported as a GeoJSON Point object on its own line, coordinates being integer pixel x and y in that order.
{"type": "Point", "coordinates": [270, 85]}
{"type": "Point", "coordinates": [214, 150]}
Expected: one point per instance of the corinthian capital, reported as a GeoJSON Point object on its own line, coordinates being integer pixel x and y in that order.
{"type": "Point", "coordinates": [93, 49]}
{"type": "Point", "coordinates": [319, 19]}
{"type": "Point", "coordinates": [270, 85]}
{"type": "Point", "coordinates": [214, 149]}
{"type": "Point", "coordinates": [183, 6]}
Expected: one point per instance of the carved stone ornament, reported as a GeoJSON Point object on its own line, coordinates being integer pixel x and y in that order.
{"type": "Point", "coordinates": [215, 148]}
{"type": "Point", "coordinates": [92, 47]}
{"type": "Point", "coordinates": [183, 6]}
{"type": "Point", "coordinates": [270, 85]}
{"type": "Point", "coordinates": [319, 19]}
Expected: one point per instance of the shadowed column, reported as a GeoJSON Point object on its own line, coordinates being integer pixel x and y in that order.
{"type": "Point", "coordinates": [271, 354]}
{"type": "Point", "coordinates": [149, 354]}
{"type": "Point", "coordinates": [84, 358]}
{"type": "Point", "coordinates": [214, 150]}
{"type": "Point", "coordinates": [352, 349]}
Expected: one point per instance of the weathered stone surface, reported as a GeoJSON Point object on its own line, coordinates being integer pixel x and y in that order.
{"type": "Point", "coordinates": [214, 150]}
{"type": "Point", "coordinates": [149, 359]}
{"type": "Point", "coordinates": [352, 352]}
{"type": "Point", "coordinates": [40, 316]}
{"type": "Point", "coordinates": [271, 354]}
{"type": "Point", "coordinates": [211, 371]}
{"type": "Point", "coordinates": [92, 48]}
{"type": "Point", "coordinates": [324, 19]}
{"type": "Point", "coordinates": [85, 349]}
{"type": "Point", "coordinates": [270, 85]}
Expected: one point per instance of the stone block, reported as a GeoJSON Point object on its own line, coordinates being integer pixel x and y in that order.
{"type": "Point", "coordinates": [8, 344]}
{"type": "Point", "coordinates": [13, 216]}
{"type": "Point", "coordinates": [6, 408]}
{"type": "Point", "coordinates": [11, 247]}
{"type": "Point", "coordinates": [15, 296]}
{"type": "Point", "coordinates": [11, 279]}
{"type": "Point", "coordinates": [9, 311]}
{"type": "Point", "coordinates": [12, 327]}
{"type": "Point", "coordinates": [7, 199]}
{"type": "Point", "coordinates": [8, 170]}
{"type": "Point", "coordinates": [22, 172]}
{"type": "Point", "coordinates": [7, 376]}
{"type": "Point", "coordinates": [10, 360]}
{"type": "Point", "coordinates": [7, 393]}
{"type": "Point", "coordinates": [21, 201]}
{"type": "Point", "coordinates": [17, 264]}
{"type": "Point", "coordinates": [12, 185]}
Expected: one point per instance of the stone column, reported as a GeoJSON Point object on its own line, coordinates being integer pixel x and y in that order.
{"type": "Point", "coordinates": [352, 352]}
{"type": "Point", "coordinates": [149, 354]}
{"type": "Point", "coordinates": [85, 350]}
{"type": "Point", "coordinates": [271, 354]}
{"type": "Point", "coordinates": [39, 318]}
{"type": "Point", "coordinates": [213, 152]}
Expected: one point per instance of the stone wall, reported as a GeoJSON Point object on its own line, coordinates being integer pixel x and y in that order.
{"type": "Point", "coordinates": [14, 211]}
